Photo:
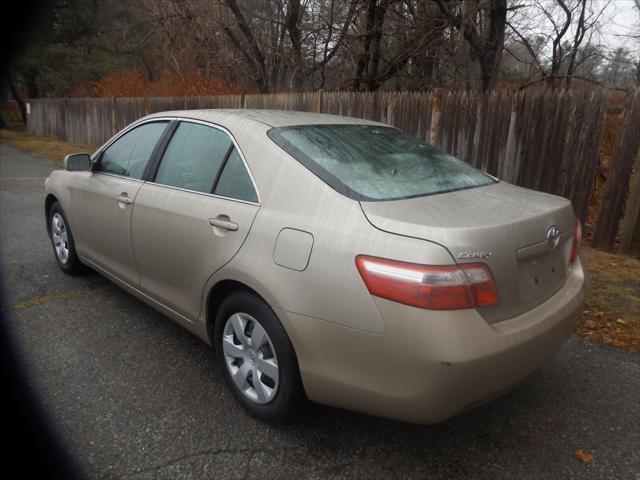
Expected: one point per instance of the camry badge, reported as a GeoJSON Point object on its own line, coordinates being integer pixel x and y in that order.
{"type": "Point", "coordinates": [553, 236]}
{"type": "Point", "coordinates": [485, 255]}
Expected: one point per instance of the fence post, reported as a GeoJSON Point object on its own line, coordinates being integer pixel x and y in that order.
{"type": "Point", "coordinates": [113, 115]}
{"type": "Point", "coordinates": [319, 105]}
{"type": "Point", "coordinates": [435, 120]}
{"type": "Point", "coordinates": [617, 184]}
{"type": "Point", "coordinates": [243, 101]}
{"type": "Point", "coordinates": [506, 169]}
{"type": "Point", "coordinates": [632, 210]}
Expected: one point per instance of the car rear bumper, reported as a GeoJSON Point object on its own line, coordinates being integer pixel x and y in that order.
{"type": "Point", "coordinates": [428, 366]}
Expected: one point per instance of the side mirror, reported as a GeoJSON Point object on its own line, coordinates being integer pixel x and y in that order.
{"type": "Point", "coordinates": [77, 162]}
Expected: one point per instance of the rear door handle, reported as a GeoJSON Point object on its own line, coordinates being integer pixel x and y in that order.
{"type": "Point", "coordinates": [226, 224]}
{"type": "Point", "coordinates": [124, 199]}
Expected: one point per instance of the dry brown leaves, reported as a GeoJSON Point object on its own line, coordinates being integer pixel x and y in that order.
{"type": "Point", "coordinates": [584, 457]}
{"type": "Point", "coordinates": [612, 314]}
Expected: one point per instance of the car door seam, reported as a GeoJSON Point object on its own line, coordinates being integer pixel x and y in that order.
{"type": "Point", "coordinates": [205, 292]}
{"type": "Point", "coordinates": [133, 250]}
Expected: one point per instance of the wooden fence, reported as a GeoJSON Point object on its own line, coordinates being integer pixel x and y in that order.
{"type": "Point", "coordinates": [548, 141]}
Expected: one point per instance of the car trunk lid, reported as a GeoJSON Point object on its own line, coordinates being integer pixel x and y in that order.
{"type": "Point", "coordinates": [501, 225]}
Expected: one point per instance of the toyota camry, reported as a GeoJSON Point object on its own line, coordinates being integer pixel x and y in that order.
{"type": "Point", "coordinates": [326, 257]}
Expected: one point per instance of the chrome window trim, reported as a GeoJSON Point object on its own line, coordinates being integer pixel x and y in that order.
{"type": "Point", "coordinates": [123, 177]}
{"type": "Point", "coordinates": [120, 134]}
{"type": "Point", "coordinates": [203, 193]}
{"type": "Point", "coordinates": [189, 120]}
{"type": "Point", "coordinates": [127, 129]}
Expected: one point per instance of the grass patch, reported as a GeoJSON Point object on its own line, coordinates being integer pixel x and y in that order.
{"type": "Point", "coordinates": [612, 313]}
{"type": "Point", "coordinates": [49, 148]}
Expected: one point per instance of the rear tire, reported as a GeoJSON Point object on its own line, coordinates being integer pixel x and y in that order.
{"type": "Point", "coordinates": [256, 358]}
{"type": "Point", "coordinates": [64, 248]}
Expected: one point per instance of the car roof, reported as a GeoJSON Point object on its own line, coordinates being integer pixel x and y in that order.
{"type": "Point", "coordinates": [271, 118]}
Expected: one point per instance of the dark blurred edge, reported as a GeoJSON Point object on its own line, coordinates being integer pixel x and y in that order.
{"type": "Point", "coordinates": [29, 447]}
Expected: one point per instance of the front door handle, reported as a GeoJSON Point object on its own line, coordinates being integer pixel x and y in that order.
{"type": "Point", "coordinates": [124, 198]}
{"type": "Point", "coordinates": [222, 223]}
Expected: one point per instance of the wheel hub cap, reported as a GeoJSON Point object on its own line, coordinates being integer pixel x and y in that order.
{"type": "Point", "coordinates": [60, 238]}
{"type": "Point", "coordinates": [250, 358]}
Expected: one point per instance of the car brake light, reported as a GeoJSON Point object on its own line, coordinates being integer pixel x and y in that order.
{"type": "Point", "coordinates": [577, 238]}
{"type": "Point", "coordinates": [446, 287]}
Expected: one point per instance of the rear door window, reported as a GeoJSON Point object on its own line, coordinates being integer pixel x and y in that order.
{"type": "Point", "coordinates": [193, 157]}
{"type": "Point", "coordinates": [234, 181]}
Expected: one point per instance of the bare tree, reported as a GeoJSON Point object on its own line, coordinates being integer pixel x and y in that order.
{"type": "Point", "coordinates": [483, 27]}
{"type": "Point", "coordinates": [293, 19]}
{"type": "Point", "coordinates": [251, 48]}
{"type": "Point", "coordinates": [297, 45]}
{"type": "Point", "coordinates": [573, 24]}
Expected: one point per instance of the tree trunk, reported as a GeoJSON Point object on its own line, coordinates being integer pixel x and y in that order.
{"type": "Point", "coordinates": [276, 78]}
{"type": "Point", "coordinates": [577, 40]}
{"type": "Point", "coordinates": [293, 19]}
{"type": "Point", "coordinates": [254, 55]}
{"type": "Point", "coordinates": [365, 54]}
{"type": "Point", "coordinates": [494, 43]}
{"type": "Point", "coordinates": [486, 42]}
{"type": "Point", "coordinates": [16, 96]}
{"type": "Point", "coordinates": [557, 54]}
{"type": "Point", "coordinates": [148, 70]}
{"type": "Point", "coordinates": [376, 40]}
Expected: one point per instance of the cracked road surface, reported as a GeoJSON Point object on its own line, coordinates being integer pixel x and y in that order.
{"type": "Point", "coordinates": [132, 395]}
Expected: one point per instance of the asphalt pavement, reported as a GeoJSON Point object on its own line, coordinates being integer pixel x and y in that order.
{"type": "Point", "coordinates": [133, 395]}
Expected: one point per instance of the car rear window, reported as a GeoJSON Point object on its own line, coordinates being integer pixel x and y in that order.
{"type": "Point", "coordinates": [369, 162]}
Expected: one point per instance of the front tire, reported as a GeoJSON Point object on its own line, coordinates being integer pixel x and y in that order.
{"type": "Point", "coordinates": [62, 241]}
{"type": "Point", "coordinates": [256, 358]}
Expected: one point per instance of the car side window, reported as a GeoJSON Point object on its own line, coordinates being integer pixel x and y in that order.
{"type": "Point", "coordinates": [193, 157]}
{"type": "Point", "coordinates": [128, 155]}
{"type": "Point", "coordinates": [235, 181]}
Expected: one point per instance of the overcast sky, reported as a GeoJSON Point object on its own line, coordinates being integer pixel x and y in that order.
{"type": "Point", "coordinates": [618, 22]}
{"type": "Point", "coordinates": [622, 19]}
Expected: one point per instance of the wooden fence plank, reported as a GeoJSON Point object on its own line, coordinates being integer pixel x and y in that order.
{"type": "Point", "coordinates": [631, 222]}
{"type": "Point", "coordinates": [617, 183]}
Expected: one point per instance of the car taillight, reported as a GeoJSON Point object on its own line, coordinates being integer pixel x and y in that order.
{"type": "Point", "coordinates": [577, 238]}
{"type": "Point", "coordinates": [447, 287]}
